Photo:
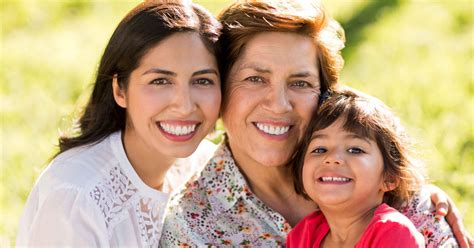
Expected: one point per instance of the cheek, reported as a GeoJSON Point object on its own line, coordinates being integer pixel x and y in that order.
{"type": "Point", "coordinates": [239, 102]}
{"type": "Point", "coordinates": [234, 94]}
{"type": "Point", "coordinates": [304, 106]}
{"type": "Point", "coordinates": [308, 172]}
{"type": "Point", "coordinates": [372, 168]}
{"type": "Point", "coordinates": [304, 101]}
{"type": "Point", "coordinates": [210, 102]}
{"type": "Point", "coordinates": [146, 101]}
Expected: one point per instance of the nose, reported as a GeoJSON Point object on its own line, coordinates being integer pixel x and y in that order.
{"type": "Point", "coordinates": [333, 157]}
{"type": "Point", "coordinates": [182, 101]}
{"type": "Point", "coordinates": [277, 100]}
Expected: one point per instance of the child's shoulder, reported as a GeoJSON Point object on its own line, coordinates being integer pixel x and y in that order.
{"type": "Point", "coordinates": [315, 218]}
{"type": "Point", "coordinates": [386, 217]}
{"type": "Point", "coordinates": [386, 214]}
{"type": "Point", "coordinates": [389, 226]}
{"type": "Point", "coordinates": [308, 231]}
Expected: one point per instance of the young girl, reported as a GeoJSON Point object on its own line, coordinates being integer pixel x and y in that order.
{"type": "Point", "coordinates": [355, 164]}
{"type": "Point", "coordinates": [156, 96]}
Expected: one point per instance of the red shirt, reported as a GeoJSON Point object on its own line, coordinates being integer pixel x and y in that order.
{"type": "Point", "coordinates": [388, 228]}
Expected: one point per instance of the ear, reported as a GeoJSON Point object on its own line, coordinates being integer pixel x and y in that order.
{"type": "Point", "coordinates": [390, 184]}
{"type": "Point", "coordinates": [119, 93]}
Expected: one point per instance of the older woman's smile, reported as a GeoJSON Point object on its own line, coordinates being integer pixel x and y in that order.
{"type": "Point", "coordinates": [272, 129]}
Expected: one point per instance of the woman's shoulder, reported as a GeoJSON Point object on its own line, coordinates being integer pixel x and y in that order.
{"type": "Point", "coordinates": [186, 207]}
{"type": "Point", "coordinates": [78, 167]}
{"type": "Point", "coordinates": [190, 197]}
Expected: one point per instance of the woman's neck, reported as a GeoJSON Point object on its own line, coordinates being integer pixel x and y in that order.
{"type": "Point", "coordinates": [346, 226]}
{"type": "Point", "coordinates": [274, 186]}
{"type": "Point", "coordinates": [149, 165]}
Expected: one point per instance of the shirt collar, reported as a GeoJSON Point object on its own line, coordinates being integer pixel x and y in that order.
{"type": "Point", "coordinates": [224, 183]}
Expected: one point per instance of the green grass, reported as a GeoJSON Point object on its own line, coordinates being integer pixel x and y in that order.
{"type": "Point", "coordinates": [416, 56]}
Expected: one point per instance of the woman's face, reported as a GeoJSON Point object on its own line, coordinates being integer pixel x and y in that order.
{"type": "Point", "coordinates": [272, 89]}
{"type": "Point", "coordinates": [173, 97]}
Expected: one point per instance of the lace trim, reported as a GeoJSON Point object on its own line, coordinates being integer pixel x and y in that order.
{"type": "Point", "coordinates": [112, 196]}
{"type": "Point", "coordinates": [151, 213]}
{"type": "Point", "coordinates": [117, 194]}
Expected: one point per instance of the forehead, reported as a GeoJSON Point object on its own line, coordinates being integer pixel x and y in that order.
{"type": "Point", "coordinates": [280, 51]}
{"type": "Point", "coordinates": [344, 127]}
{"type": "Point", "coordinates": [176, 51]}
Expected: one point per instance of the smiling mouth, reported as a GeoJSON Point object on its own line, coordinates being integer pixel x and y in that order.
{"type": "Point", "coordinates": [178, 130]}
{"type": "Point", "coordinates": [334, 179]}
{"type": "Point", "coordinates": [272, 129]}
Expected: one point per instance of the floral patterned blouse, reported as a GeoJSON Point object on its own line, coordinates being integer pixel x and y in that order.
{"type": "Point", "coordinates": [218, 209]}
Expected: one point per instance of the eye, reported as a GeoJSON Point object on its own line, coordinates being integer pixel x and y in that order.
{"type": "Point", "coordinates": [355, 150]}
{"type": "Point", "coordinates": [301, 84]}
{"type": "Point", "coordinates": [319, 150]}
{"type": "Point", "coordinates": [160, 81]}
{"type": "Point", "coordinates": [255, 79]}
{"type": "Point", "coordinates": [203, 81]}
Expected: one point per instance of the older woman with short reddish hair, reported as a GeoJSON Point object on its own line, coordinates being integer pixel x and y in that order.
{"type": "Point", "coordinates": [278, 58]}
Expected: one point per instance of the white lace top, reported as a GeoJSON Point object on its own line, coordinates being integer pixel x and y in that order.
{"type": "Point", "coordinates": [92, 197]}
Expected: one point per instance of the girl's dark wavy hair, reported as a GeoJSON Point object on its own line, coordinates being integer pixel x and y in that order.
{"type": "Point", "coordinates": [368, 117]}
{"type": "Point", "coordinates": [141, 29]}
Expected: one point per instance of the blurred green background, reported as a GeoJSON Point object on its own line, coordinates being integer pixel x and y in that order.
{"type": "Point", "coordinates": [417, 56]}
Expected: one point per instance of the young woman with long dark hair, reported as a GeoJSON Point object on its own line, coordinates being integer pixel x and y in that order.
{"type": "Point", "coordinates": [156, 96]}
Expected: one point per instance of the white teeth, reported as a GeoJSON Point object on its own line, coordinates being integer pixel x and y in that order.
{"type": "Point", "coordinates": [178, 130]}
{"type": "Point", "coordinates": [335, 179]}
{"type": "Point", "coordinates": [273, 130]}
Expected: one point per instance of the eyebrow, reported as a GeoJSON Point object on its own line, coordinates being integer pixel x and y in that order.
{"type": "Point", "coordinates": [304, 74]}
{"type": "Point", "coordinates": [255, 67]}
{"type": "Point", "coordinates": [160, 71]}
{"type": "Point", "coordinates": [355, 136]}
{"type": "Point", "coordinates": [170, 73]}
{"type": "Point", "coordinates": [262, 69]}
{"type": "Point", "coordinates": [318, 136]}
{"type": "Point", "coordinates": [351, 135]}
{"type": "Point", "coordinates": [206, 71]}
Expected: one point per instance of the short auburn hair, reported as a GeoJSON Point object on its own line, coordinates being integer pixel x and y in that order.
{"type": "Point", "coordinates": [243, 20]}
{"type": "Point", "coordinates": [368, 117]}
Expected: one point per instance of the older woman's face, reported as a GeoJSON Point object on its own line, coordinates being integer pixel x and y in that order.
{"type": "Point", "coordinates": [272, 89]}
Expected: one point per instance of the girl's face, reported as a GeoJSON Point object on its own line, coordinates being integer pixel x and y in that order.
{"type": "Point", "coordinates": [343, 169]}
{"type": "Point", "coordinates": [173, 97]}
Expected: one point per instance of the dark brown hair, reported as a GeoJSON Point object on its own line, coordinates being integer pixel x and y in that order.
{"type": "Point", "coordinates": [370, 118]}
{"type": "Point", "coordinates": [141, 29]}
{"type": "Point", "coordinates": [242, 20]}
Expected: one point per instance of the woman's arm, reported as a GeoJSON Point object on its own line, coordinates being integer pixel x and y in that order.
{"type": "Point", "coordinates": [422, 213]}
{"type": "Point", "coordinates": [445, 207]}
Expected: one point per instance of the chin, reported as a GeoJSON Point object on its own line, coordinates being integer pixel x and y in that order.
{"type": "Point", "coordinates": [182, 153]}
{"type": "Point", "coordinates": [330, 201]}
{"type": "Point", "coordinates": [274, 161]}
